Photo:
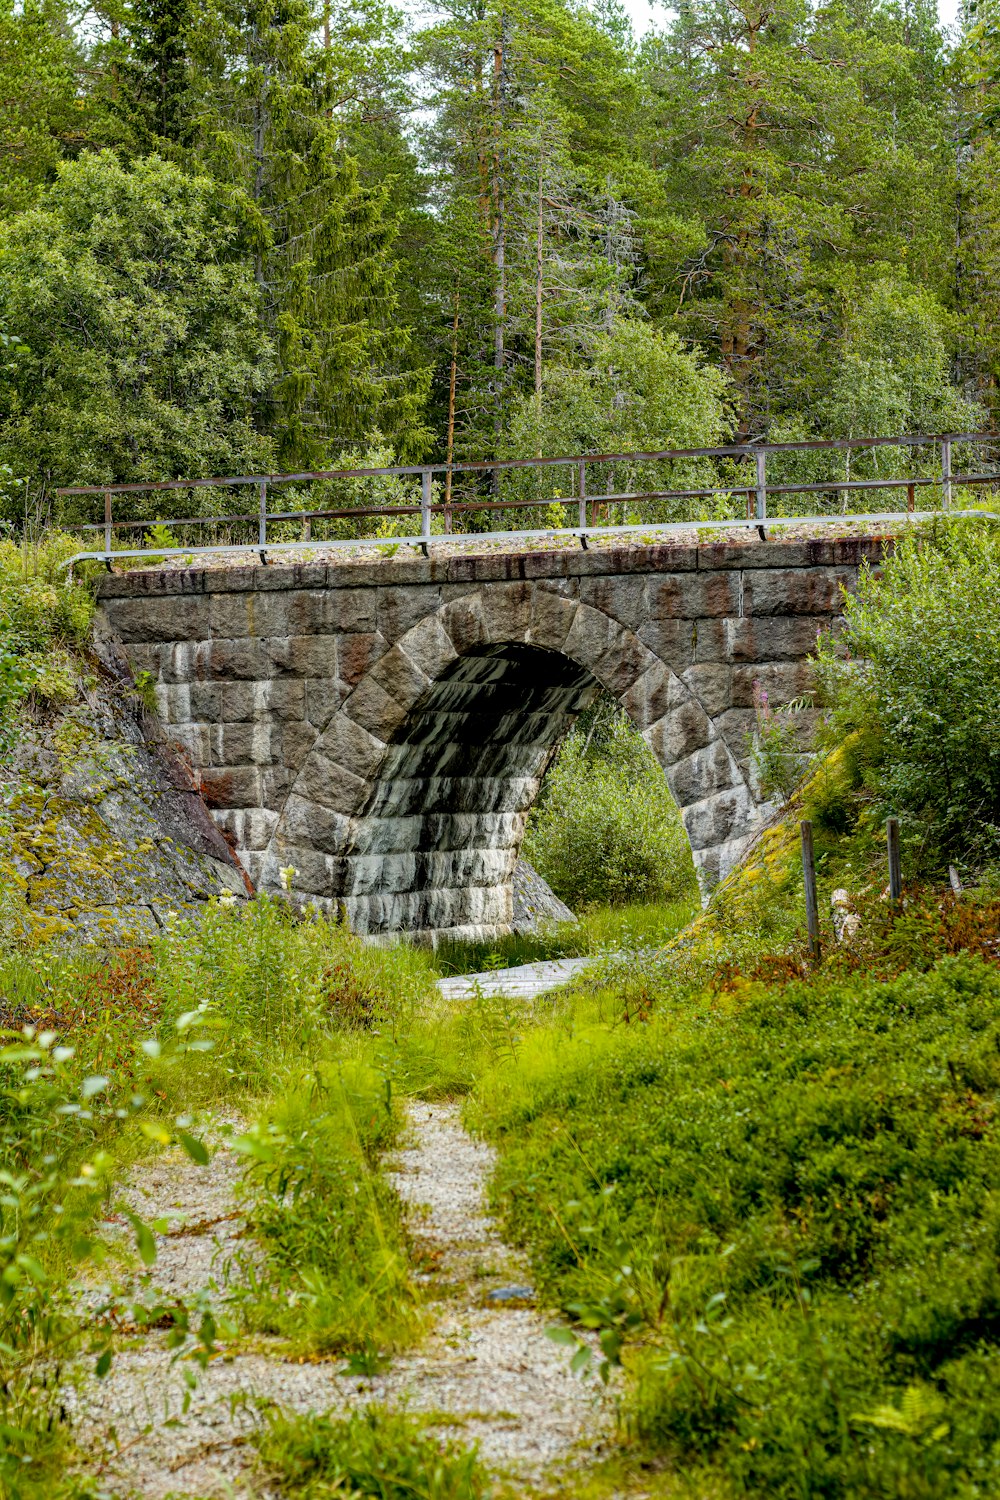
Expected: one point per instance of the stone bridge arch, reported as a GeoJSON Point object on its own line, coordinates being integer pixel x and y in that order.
{"type": "Point", "coordinates": [411, 806]}
{"type": "Point", "coordinates": [382, 726]}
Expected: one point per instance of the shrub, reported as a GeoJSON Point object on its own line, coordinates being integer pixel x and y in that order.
{"type": "Point", "coordinates": [922, 685]}
{"type": "Point", "coordinates": [606, 829]}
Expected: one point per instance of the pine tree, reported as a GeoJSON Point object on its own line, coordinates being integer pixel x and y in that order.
{"type": "Point", "coordinates": [268, 121]}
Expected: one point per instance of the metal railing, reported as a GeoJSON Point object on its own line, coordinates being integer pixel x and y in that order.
{"type": "Point", "coordinates": [588, 508]}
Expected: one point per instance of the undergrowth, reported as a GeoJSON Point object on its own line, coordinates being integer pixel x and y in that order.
{"type": "Point", "coordinates": [375, 1452]}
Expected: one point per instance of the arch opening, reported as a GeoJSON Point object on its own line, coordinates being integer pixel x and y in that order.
{"type": "Point", "coordinates": [434, 847]}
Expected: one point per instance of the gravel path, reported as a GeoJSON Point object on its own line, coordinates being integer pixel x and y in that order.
{"type": "Point", "coordinates": [487, 1360]}
{"type": "Point", "coordinates": [523, 982]}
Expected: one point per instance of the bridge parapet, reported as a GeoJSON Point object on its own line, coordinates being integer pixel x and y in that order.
{"type": "Point", "coordinates": [383, 726]}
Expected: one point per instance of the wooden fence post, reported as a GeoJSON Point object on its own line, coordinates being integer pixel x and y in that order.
{"type": "Point", "coordinates": [895, 863]}
{"type": "Point", "coordinates": [809, 880]}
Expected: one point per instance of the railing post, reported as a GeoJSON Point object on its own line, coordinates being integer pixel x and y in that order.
{"type": "Point", "coordinates": [582, 476]}
{"type": "Point", "coordinates": [946, 472]}
{"type": "Point", "coordinates": [761, 458]}
{"type": "Point", "coordinates": [107, 527]}
{"type": "Point", "coordinates": [425, 504]}
{"type": "Point", "coordinates": [809, 882]}
{"type": "Point", "coordinates": [895, 861]}
{"type": "Point", "coordinates": [262, 521]}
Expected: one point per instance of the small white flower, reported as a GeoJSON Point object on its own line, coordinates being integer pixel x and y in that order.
{"type": "Point", "coordinates": [286, 875]}
{"type": "Point", "coordinates": [227, 900]}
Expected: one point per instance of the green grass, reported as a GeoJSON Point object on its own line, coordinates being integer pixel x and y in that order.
{"type": "Point", "coordinates": [372, 1453]}
{"type": "Point", "coordinates": [775, 1200]}
{"type": "Point", "coordinates": [598, 930]}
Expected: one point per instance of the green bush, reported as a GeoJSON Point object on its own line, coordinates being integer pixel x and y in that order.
{"type": "Point", "coordinates": [922, 686]}
{"type": "Point", "coordinates": [791, 1192]}
{"type": "Point", "coordinates": [606, 830]}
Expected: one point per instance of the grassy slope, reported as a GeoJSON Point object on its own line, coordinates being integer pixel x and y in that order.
{"type": "Point", "coordinates": [775, 1189]}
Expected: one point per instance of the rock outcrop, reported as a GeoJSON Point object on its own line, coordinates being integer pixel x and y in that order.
{"type": "Point", "coordinates": [102, 832]}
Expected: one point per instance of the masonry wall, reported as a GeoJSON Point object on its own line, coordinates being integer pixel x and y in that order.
{"type": "Point", "coordinates": [302, 695]}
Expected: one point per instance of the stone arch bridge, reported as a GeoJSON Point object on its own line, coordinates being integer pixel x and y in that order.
{"type": "Point", "coordinates": [383, 726]}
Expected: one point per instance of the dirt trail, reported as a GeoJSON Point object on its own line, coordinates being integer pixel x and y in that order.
{"type": "Point", "coordinates": [487, 1360]}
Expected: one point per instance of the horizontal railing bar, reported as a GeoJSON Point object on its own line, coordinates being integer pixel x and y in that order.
{"type": "Point", "coordinates": [442, 507]}
{"type": "Point", "coordinates": [742, 450]}
{"type": "Point", "coordinates": [672, 528]}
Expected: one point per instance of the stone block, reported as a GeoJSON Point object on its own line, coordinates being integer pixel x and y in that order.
{"type": "Point", "coordinates": [652, 695]}
{"type": "Point", "coordinates": [622, 597]}
{"type": "Point", "coordinates": [399, 676]}
{"type": "Point", "coordinates": [244, 745]}
{"type": "Point", "coordinates": [316, 874]}
{"type": "Point", "coordinates": [275, 784]}
{"type": "Point", "coordinates": [207, 700]}
{"type": "Point", "coordinates": [684, 729]}
{"type": "Point", "coordinates": [242, 660]}
{"type": "Point", "coordinates": [146, 657]}
{"type": "Point", "coordinates": [311, 825]}
{"type": "Point", "coordinates": [620, 668]}
{"type": "Point", "coordinates": [299, 656]}
{"type": "Point", "coordinates": [712, 684]}
{"type": "Point", "coordinates": [430, 647]}
{"type": "Point", "coordinates": [782, 681]}
{"type": "Point", "coordinates": [296, 742]}
{"type": "Point", "coordinates": [324, 697]}
{"type": "Point", "coordinates": [350, 745]}
{"type": "Point", "coordinates": [711, 640]}
{"type": "Point", "coordinates": [150, 620]}
{"type": "Point", "coordinates": [701, 595]}
{"type": "Point", "coordinates": [380, 873]}
{"type": "Point", "coordinates": [797, 591]}
{"type": "Point", "coordinates": [193, 743]}
{"type": "Point", "coordinates": [250, 828]}
{"type": "Point", "coordinates": [672, 641]}
{"type": "Point", "coordinates": [233, 616]}
{"type": "Point", "coordinates": [781, 638]}
{"type": "Point", "coordinates": [591, 636]}
{"type": "Point", "coordinates": [331, 611]}
{"type": "Point", "coordinates": [400, 609]}
{"type": "Point", "coordinates": [507, 611]}
{"type": "Point", "coordinates": [720, 818]}
{"type": "Point", "coordinates": [231, 786]}
{"type": "Point", "coordinates": [371, 706]}
{"type": "Point", "coordinates": [736, 726]}
{"type": "Point", "coordinates": [463, 620]}
{"type": "Point", "coordinates": [551, 619]}
{"type": "Point", "coordinates": [186, 661]}
{"type": "Point", "coordinates": [173, 702]}
{"type": "Point", "coordinates": [703, 773]}
{"type": "Point", "coordinates": [322, 780]}
{"type": "Point", "coordinates": [357, 654]}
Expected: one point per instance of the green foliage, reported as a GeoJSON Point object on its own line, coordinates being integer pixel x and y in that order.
{"type": "Point", "coordinates": [923, 687]}
{"type": "Point", "coordinates": [131, 292]}
{"type": "Point", "coordinates": [335, 1276]}
{"type": "Point", "coordinates": [44, 620]}
{"type": "Point", "coordinates": [256, 978]}
{"type": "Point", "coordinates": [790, 1191]}
{"type": "Point", "coordinates": [374, 1452]}
{"type": "Point", "coordinates": [606, 829]}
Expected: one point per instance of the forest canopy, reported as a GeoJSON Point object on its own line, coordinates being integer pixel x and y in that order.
{"type": "Point", "coordinates": [255, 234]}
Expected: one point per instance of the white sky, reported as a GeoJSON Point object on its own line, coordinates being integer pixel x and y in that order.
{"type": "Point", "coordinates": [644, 14]}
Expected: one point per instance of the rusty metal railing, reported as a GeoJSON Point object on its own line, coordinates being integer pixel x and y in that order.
{"type": "Point", "coordinates": [589, 507]}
